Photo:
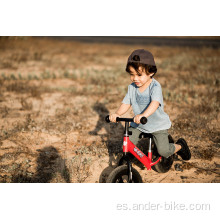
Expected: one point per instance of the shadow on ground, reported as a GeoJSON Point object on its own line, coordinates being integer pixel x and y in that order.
{"type": "Point", "coordinates": [114, 133]}
{"type": "Point", "coordinates": [49, 162]}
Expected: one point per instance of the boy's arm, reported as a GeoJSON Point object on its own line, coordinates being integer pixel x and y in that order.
{"type": "Point", "coordinates": [149, 111]}
{"type": "Point", "coordinates": [121, 110]}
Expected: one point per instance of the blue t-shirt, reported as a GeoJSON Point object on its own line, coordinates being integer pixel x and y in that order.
{"type": "Point", "coordinates": [140, 101]}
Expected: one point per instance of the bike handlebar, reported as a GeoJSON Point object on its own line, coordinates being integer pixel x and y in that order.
{"type": "Point", "coordinates": [143, 119]}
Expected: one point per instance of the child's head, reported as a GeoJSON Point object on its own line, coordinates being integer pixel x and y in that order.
{"type": "Point", "coordinates": [142, 60]}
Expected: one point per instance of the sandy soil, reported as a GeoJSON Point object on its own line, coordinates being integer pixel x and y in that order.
{"type": "Point", "coordinates": [54, 95]}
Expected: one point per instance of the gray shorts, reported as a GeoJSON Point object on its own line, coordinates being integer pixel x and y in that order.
{"type": "Point", "coordinates": [161, 140]}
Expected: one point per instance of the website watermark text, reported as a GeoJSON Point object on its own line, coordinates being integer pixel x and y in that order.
{"type": "Point", "coordinates": [166, 206]}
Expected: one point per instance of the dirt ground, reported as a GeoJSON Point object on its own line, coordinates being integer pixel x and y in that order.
{"type": "Point", "coordinates": [55, 94]}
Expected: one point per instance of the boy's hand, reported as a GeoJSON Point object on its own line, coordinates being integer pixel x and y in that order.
{"type": "Point", "coordinates": [113, 117]}
{"type": "Point", "coordinates": [137, 119]}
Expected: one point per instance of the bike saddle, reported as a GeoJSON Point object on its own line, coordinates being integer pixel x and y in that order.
{"type": "Point", "coordinates": [145, 135]}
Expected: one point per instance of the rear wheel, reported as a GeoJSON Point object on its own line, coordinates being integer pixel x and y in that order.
{"type": "Point", "coordinates": [120, 175]}
{"type": "Point", "coordinates": [164, 164]}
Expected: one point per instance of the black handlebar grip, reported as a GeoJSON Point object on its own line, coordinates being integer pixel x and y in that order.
{"type": "Point", "coordinates": [143, 120]}
{"type": "Point", "coordinates": [107, 119]}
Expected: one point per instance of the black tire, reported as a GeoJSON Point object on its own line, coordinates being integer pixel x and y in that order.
{"type": "Point", "coordinates": [105, 174]}
{"type": "Point", "coordinates": [164, 164]}
{"type": "Point", "coordinates": [120, 175]}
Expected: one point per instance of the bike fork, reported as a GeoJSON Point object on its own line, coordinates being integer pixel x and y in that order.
{"type": "Point", "coordinates": [129, 171]}
{"type": "Point", "coordinates": [129, 166]}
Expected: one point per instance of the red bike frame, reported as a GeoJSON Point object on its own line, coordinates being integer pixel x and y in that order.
{"type": "Point", "coordinates": [128, 146]}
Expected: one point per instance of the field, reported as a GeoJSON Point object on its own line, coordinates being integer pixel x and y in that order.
{"type": "Point", "coordinates": [55, 94]}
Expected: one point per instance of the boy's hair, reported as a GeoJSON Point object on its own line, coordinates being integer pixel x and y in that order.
{"type": "Point", "coordinates": [144, 59]}
{"type": "Point", "coordinates": [148, 68]}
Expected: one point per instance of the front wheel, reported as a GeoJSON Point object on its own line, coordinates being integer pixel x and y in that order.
{"type": "Point", "coordinates": [105, 174]}
{"type": "Point", "coordinates": [120, 175]}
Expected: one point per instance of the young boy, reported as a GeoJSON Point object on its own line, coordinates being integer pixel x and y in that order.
{"type": "Point", "coordinates": [145, 96]}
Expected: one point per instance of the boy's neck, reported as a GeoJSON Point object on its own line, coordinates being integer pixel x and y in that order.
{"type": "Point", "coordinates": [142, 88]}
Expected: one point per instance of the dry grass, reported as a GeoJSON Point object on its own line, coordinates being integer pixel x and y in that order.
{"type": "Point", "coordinates": [54, 96]}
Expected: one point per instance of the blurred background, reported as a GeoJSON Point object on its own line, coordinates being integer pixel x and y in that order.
{"type": "Point", "coordinates": [56, 91]}
{"type": "Point", "coordinates": [157, 41]}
